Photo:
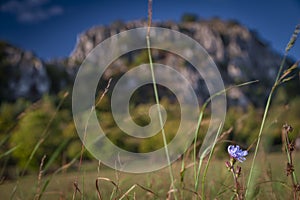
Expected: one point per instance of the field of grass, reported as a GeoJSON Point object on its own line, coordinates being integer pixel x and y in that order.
{"type": "Point", "coordinates": [271, 181]}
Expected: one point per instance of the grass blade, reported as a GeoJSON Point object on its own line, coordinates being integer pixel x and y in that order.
{"type": "Point", "coordinates": [56, 153]}
{"type": "Point", "coordinates": [8, 152]}
{"type": "Point", "coordinates": [276, 83]}
{"type": "Point", "coordinates": [209, 159]}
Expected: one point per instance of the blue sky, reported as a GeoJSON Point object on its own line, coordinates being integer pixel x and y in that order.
{"type": "Point", "coordinates": [49, 28]}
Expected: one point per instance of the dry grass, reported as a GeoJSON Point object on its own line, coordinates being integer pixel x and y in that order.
{"type": "Point", "coordinates": [271, 182]}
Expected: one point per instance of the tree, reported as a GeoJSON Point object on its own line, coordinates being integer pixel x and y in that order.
{"type": "Point", "coordinates": [189, 17]}
{"type": "Point", "coordinates": [38, 124]}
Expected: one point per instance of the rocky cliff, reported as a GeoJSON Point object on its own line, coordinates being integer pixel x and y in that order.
{"type": "Point", "coordinates": [21, 74]}
{"type": "Point", "coordinates": [240, 54]}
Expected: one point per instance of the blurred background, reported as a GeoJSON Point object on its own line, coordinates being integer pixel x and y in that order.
{"type": "Point", "coordinates": [43, 42]}
{"type": "Point", "coordinates": [50, 27]}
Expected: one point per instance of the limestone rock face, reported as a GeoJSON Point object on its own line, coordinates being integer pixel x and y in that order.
{"type": "Point", "coordinates": [22, 74]}
{"type": "Point", "coordinates": [238, 52]}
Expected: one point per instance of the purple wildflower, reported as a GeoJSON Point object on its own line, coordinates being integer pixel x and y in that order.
{"type": "Point", "coordinates": [237, 153]}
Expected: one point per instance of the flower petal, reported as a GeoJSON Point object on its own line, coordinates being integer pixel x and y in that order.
{"type": "Point", "coordinates": [237, 153]}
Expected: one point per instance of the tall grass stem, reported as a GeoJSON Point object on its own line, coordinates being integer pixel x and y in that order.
{"type": "Point", "coordinates": [209, 159]}
{"type": "Point", "coordinates": [160, 115]}
{"type": "Point", "coordinates": [276, 83]}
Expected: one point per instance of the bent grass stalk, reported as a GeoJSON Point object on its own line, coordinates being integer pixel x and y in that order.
{"type": "Point", "coordinates": [197, 171]}
{"type": "Point", "coordinates": [107, 180]}
{"type": "Point", "coordinates": [140, 186]}
{"type": "Point", "coordinates": [276, 83]}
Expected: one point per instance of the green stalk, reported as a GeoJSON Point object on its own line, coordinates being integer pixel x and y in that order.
{"type": "Point", "coordinates": [159, 115]}
{"type": "Point", "coordinates": [8, 151]}
{"type": "Point", "coordinates": [199, 168]}
{"type": "Point", "coordinates": [263, 123]}
{"type": "Point", "coordinates": [195, 142]}
{"type": "Point", "coordinates": [209, 159]}
{"type": "Point", "coordinates": [290, 44]}
{"type": "Point", "coordinates": [197, 172]}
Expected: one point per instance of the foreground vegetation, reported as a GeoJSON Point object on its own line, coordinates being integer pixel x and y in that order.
{"type": "Point", "coordinates": [272, 181]}
{"type": "Point", "coordinates": [40, 154]}
{"type": "Point", "coordinates": [24, 125]}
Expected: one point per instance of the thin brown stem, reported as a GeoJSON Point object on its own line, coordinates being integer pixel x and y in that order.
{"type": "Point", "coordinates": [236, 183]}
{"type": "Point", "coordinates": [290, 166]}
{"type": "Point", "coordinates": [149, 16]}
{"type": "Point", "coordinates": [75, 183]}
{"type": "Point", "coordinates": [38, 189]}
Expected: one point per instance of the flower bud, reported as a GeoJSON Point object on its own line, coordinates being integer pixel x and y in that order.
{"type": "Point", "coordinates": [228, 165]}
{"type": "Point", "coordinates": [289, 169]}
{"type": "Point", "coordinates": [288, 128]}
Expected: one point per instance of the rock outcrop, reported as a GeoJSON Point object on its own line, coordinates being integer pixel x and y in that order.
{"type": "Point", "coordinates": [240, 54]}
{"type": "Point", "coordinates": [22, 74]}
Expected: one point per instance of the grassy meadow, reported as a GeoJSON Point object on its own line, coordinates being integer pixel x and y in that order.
{"type": "Point", "coordinates": [272, 181]}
